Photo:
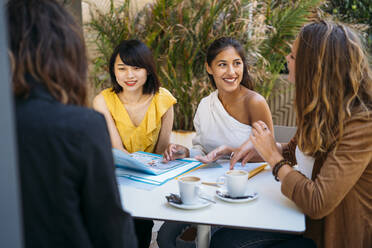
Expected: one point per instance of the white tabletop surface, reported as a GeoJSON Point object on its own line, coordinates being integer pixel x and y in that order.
{"type": "Point", "coordinates": [270, 211]}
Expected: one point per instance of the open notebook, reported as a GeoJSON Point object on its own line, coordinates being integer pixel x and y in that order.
{"type": "Point", "coordinates": [145, 162]}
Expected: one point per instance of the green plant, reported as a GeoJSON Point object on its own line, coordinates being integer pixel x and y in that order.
{"type": "Point", "coordinates": [187, 29]}
{"type": "Point", "coordinates": [180, 31]}
{"type": "Point", "coordinates": [352, 11]}
{"type": "Point", "coordinates": [285, 19]}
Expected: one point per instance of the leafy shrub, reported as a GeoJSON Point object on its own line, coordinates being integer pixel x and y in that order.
{"type": "Point", "coordinates": [180, 31]}
{"type": "Point", "coordinates": [353, 11]}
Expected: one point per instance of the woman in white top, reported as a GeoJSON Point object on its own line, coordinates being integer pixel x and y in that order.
{"type": "Point", "coordinates": [223, 119]}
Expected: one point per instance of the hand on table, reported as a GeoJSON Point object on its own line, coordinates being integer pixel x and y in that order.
{"type": "Point", "coordinates": [246, 152]}
{"type": "Point", "coordinates": [175, 151]}
{"type": "Point", "coordinates": [264, 143]}
{"type": "Point", "coordinates": [215, 154]}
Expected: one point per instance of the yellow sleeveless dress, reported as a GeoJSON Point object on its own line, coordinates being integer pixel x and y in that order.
{"type": "Point", "coordinates": [145, 136]}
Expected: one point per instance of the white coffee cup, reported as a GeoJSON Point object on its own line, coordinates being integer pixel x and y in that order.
{"type": "Point", "coordinates": [189, 188]}
{"type": "Point", "coordinates": [236, 182]}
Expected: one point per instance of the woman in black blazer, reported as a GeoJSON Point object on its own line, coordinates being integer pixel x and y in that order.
{"type": "Point", "coordinates": [69, 192]}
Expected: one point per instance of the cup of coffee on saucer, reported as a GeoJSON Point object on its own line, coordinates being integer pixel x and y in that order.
{"type": "Point", "coordinates": [236, 187]}
{"type": "Point", "coordinates": [236, 182]}
{"type": "Point", "coordinates": [189, 188]}
{"type": "Point", "coordinates": [190, 194]}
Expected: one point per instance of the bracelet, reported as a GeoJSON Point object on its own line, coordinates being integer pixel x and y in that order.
{"type": "Point", "coordinates": [279, 165]}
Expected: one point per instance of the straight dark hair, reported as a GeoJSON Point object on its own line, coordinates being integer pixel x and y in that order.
{"type": "Point", "coordinates": [222, 44]}
{"type": "Point", "coordinates": [135, 53]}
{"type": "Point", "coordinates": [47, 44]}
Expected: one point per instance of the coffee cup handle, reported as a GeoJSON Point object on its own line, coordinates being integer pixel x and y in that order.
{"type": "Point", "coordinates": [198, 190]}
{"type": "Point", "coordinates": [221, 180]}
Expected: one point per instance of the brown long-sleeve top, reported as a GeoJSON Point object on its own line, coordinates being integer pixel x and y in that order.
{"type": "Point", "coordinates": [338, 200]}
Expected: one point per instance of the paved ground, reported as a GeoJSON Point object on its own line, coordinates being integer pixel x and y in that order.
{"type": "Point", "coordinates": [157, 225]}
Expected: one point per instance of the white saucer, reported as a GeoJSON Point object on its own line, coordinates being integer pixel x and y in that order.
{"type": "Point", "coordinates": [199, 204]}
{"type": "Point", "coordinates": [250, 197]}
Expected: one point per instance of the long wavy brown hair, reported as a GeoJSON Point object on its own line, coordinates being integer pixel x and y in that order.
{"type": "Point", "coordinates": [333, 81]}
{"type": "Point", "coordinates": [47, 44]}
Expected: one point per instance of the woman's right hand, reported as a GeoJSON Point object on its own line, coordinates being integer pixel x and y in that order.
{"type": "Point", "coordinates": [215, 154]}
{"type": "Point", "coordinates": [175, 151]}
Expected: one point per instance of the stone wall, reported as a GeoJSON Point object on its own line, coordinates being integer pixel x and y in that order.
{"type": "Point", "coordinates": [281, 103]}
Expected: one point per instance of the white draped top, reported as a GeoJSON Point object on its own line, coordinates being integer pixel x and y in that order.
{"type": "Point", "coordinates": [215, 127]}
{"type": "Point", "coordinates": [305, 163]}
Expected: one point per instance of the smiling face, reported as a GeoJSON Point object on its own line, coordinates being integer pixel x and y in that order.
{"type": "Point", "coordinates": [227, 70]}
{"type": "Point", "coordinates": [130, 78]}
{"type": "Point", "coordinates": [291, 59]}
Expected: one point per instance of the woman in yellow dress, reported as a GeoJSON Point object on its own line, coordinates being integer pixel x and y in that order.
{"type": "Point", "coordinates": [138, 112]}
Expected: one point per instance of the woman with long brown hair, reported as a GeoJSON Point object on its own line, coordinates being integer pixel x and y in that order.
{"type": "Point", "coordinates": [333, 143]}
{"type": "Point", "coordinates": [68, 186]}
{"type": "Point", "coordinates": [223, 119]}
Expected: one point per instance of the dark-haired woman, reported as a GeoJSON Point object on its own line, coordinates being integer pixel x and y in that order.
{"type": "Point", "coordinates": [223, 119]}
{"type": "Point", "coordinates": [68, 186]}
{"type": "Point", "coordinates": [138, 112]}
{"type": "Point", "coordinates": [332, 146]}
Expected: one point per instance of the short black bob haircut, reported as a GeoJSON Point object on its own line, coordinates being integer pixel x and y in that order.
{"type": "Point", "coordinates": [221, 44]}
{"type": "Point", "coordinates": [135, 53]}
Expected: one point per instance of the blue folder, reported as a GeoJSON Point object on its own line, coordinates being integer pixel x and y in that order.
{"type": "Point", "coordinates": [145, 162]}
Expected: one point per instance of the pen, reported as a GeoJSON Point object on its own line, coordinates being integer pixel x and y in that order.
{"type": "Point", "coordinates": [257, 170]}
{"type": "Point", "coordinates": [212, 184]}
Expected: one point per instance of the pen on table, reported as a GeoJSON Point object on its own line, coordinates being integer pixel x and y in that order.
{"type": "Point", "coordinates": [257, 170]}
{"type": "Point", "coordinates": [212, 184]}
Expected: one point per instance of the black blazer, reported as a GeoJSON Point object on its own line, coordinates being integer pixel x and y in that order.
{"type": "Point", "coordinates": [69, 192]}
